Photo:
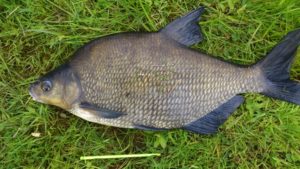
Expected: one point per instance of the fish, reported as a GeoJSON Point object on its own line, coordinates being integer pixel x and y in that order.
{"type": "Point", "coordinates": [156, 81]}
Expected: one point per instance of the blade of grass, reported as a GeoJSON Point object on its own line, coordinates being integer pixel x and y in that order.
{"type": "Point", "coordinates": [118, 156]}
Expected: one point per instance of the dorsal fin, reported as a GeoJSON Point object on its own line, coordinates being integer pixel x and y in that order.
{"type": "Point", "coordinates": [185, 30]}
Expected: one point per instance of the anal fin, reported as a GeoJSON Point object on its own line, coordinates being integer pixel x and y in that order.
{"type": "Point", "coordinates": [210, 123]}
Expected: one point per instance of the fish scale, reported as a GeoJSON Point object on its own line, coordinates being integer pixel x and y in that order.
{"type": "Point", "coordinates": [161, 88]}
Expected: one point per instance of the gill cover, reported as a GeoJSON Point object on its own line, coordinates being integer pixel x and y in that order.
{"type": "Point", "coordinates": [60, 87]}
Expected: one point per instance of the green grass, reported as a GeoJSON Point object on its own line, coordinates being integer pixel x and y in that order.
{"type": "Point", "coordinates": [37, 36]}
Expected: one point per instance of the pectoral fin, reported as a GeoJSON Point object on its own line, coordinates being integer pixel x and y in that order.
{"type": "Point", "coordinates": [210, 123]}
{"type": "Point", "coordinates": [101, 112]}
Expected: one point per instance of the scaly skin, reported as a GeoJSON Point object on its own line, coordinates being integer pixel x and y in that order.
{"type": "Point", "coordinates": [155, 81]}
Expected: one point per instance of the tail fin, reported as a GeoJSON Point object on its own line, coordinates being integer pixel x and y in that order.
{"type": "Point", "coordinates": [276, 68]}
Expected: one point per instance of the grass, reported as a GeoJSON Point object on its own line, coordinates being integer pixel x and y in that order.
{"type": "Point", "coordinates": [37, 36]}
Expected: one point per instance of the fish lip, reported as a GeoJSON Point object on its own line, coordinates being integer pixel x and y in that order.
{"type": "Point", "coordinates": [33, 95]}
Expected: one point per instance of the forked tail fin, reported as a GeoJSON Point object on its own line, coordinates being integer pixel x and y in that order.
{"type": "Point", "coordinates": [276, 68]}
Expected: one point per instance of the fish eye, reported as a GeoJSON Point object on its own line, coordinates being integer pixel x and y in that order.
{"type": "Point", "coordinates": [46, 86]}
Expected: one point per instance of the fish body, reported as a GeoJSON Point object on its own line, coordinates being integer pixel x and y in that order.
{"type": "Point", "coordinates": [154, 81]}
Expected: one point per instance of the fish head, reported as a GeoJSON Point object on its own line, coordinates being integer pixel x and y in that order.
{"type": "Point", "coordinates": [60, 87]}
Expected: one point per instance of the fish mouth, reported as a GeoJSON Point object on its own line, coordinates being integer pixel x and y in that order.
{"type": "Point", "coordinates": [33, 95]}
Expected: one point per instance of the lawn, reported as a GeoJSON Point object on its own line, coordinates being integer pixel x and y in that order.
{"type": "Point", "coordinates": [37, 36]}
